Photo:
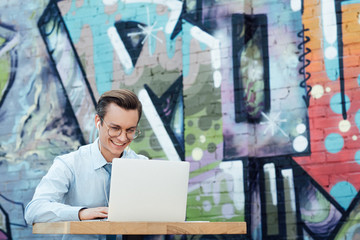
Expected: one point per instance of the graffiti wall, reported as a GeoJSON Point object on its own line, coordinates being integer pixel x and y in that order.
{"type": "Point", "coordinates": [261, 97]}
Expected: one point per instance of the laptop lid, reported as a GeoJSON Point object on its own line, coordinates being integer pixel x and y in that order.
{"type": "Point", "coordinates": [148, 190]}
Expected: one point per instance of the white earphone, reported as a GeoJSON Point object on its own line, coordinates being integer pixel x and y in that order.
{"type": "Point", "coordinates": [98, 125]}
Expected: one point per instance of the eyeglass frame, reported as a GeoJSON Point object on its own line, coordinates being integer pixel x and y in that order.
{"type": "Point", "coordinates": [121, 130]}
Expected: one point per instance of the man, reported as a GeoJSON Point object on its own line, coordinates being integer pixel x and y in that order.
{"type": "Point", "coordinates": [76, 185]}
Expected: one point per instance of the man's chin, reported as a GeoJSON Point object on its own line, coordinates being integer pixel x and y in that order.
{"type": "Point", "coordinates": [118, 150]}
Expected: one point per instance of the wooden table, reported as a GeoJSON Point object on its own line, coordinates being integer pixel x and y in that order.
{"type": "Point", "coordinates": [140, 228]}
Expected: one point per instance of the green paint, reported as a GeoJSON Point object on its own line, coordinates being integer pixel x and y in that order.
{"type": "Point", "coordinates": [320, 214]}
{"type": "Point", "coordinates": [350, 228]}
{"type": "Point", "coordinates": [201, 206]}
{"type": "Point", "coordinates": [212, 135]}
{"type": "Point", "coordinates": [204, 169]}
{"type": "Point", "coordinates": [4, 72]}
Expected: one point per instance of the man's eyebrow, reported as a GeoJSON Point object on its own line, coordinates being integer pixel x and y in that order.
{"type": "Point", "coordinates": [118, 126]}
{"type": "Point", "coordinates": [114, 125]}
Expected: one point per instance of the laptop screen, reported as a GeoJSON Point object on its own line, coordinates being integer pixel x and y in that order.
{"type": "Point", "coordinates": [148, 190]}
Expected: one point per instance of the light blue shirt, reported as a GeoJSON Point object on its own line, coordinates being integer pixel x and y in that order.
{"type": "Point", "coordinates": [75, 180]}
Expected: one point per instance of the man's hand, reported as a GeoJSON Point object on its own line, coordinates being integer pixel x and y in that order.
{"type": "Point", "coordinates": [93, 213]}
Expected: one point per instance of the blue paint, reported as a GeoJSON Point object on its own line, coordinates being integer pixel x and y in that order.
{"type": "Point", "coordinates": [357, 119]}
{"type": "Point", "coordinates": [357, 157]}
{"type": "Point", "coordinates": [343, 192]}
{"type": "Point", "coordinates": [335, 103]}
{"type": "Point", "coordinates": [101, 43]}
{"type": "Point", "coordinates": [331, 66]}
{"type": "Point", "coordinates": [334, 142]}
{"type": "Point", "coordinates": [358, 80]}
{"type": "Point", "coordinates": [350, 2]}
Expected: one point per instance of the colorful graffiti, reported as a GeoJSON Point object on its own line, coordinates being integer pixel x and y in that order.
{"type": "Point", "coordinates": [259, 96]}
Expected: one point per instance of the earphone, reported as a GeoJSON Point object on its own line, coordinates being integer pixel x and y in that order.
{"type": "Point", "coordinates": [98, 128]}
{"type": "Point", "coordinates": [104, 185]}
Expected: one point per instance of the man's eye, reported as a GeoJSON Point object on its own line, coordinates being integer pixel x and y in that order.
{"type": "Point", "coordinates": [130, 131]}
{"type": "Point", "coordinates": [115, 129]}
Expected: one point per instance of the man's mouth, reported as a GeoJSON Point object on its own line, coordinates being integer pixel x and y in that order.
{"type": "Point", "coordinates": [118, 144]}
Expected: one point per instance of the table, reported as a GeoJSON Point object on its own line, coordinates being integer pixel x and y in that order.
{"type": "Point", "coordinates": [140, 228]}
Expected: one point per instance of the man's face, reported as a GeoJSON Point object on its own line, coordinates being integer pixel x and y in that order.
{"type": "Point", "coordinates": [116, 118]}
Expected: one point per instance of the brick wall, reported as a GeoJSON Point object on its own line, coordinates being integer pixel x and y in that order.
{"type": "Point", "coordinates": [261, 97]}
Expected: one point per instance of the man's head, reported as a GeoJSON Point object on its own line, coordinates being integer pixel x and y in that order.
{"type": "Point", "coordinates": [118, 114]}
{"type": "Point", "coordinates": [123, 98]}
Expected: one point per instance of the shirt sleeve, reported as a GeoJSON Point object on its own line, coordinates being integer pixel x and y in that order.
{"type": "Point", "coordinates": [47, 204]}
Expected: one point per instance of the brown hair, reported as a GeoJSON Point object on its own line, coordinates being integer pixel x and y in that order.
{"type": "Point", "coordinates": [122, 97]}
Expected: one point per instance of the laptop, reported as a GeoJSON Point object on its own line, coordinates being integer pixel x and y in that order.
{"type": "Point", "coordinates": [148, 190]}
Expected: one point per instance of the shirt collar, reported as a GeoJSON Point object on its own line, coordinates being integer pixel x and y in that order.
{"type": "Point", "coordinates": [98, 159]}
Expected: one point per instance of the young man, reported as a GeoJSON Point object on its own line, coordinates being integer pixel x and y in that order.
{"type": "Point", "coordinates": [76, 185]}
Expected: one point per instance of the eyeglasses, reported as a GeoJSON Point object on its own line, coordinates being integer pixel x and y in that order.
{"type": "Point", "coordinates": [131, 133]}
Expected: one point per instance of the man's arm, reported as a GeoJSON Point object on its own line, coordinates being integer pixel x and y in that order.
{"type": "Point", "coordinates": [47, 204]}
{"type": "Point", "coordinates": [93, 213]}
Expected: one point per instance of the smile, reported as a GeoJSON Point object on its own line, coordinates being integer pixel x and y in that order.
{"type": "Point", "coordinates": [118, 144]}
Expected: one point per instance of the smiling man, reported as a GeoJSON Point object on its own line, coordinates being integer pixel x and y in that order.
{"type": "Point", "coordinates": [76, 186]}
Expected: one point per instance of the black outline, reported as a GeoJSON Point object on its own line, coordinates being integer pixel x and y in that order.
{"type": "Point", "coordinates": [248, 25]}
{"type": "Point", "coordinates": [7, 222]}
{"type": "Point", "coordinates": [13, 66]}
{"type": "Point", "coordinates": [305, 63]}
{"type": "Point", "coordinates": [174, 91]}
{"type": "Point", "coordinates": [52, 12]}
{"type": "Point", "coordinates": [340, 56]}
{"type": "Point", "coordinates": [125, 27]}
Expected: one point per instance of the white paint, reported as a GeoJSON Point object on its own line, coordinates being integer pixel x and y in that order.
{"type": "Point", "coordinates": [235, 169]}
{"type": "Point", "coordinates": [209, 41]}
{"type": "Point", "coordinates": [300, 143]}
{"type": "Point", "coordinates": [269, 168]}
{"type": "Point", "coordinates": [148, 31]}
{"type": "Point", "coordinates": [202, 138]}
{"type": "Point", "coordinates": [197, 154]}
{"type": "Point", "coordinates": [317, 91]}
{"type": "Point", "coordinates": [273, 123]}
{"type": "Point", "coordinates": [288, 176]}
{"type": "Point", "coordinates": [295, 5]}
{"type": "Point", "coordinates": [176, 8]}
{"type": "Point", "coordinates": [120, 49]}
{"type": "Point", "coordinates": [175, 11]}
{"type": "Point", "coordinates": [157, 125]}
{"type": "Point", "coordinates": [12, 43]}
{"type": "Point", "coordinates": [215, 53]}
{"type": "Point", "coordinates": [109, 2]}
{"type": "Point", "coordinates": [217, 78]}
{"type": "Point", "coordinates": [331, 52]}
{"type": "Point", "coordinates": [301, 128]}
{"type": "Point", "coordinates": [344, 125]}
{"type": "Point", "coordinates": [328, 19]}
{"type": "Point", "coordinates": [354, 137]}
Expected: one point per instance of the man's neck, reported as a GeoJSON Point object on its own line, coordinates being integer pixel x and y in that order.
{"type": "Point", "coordinates": [110, 157]}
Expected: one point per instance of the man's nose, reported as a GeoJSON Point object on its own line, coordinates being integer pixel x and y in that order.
{"type": "Point", "coordinates": [123, 137]}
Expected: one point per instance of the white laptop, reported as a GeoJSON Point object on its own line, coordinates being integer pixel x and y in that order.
{"type": "Point", "coordinates": [148, 190]}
